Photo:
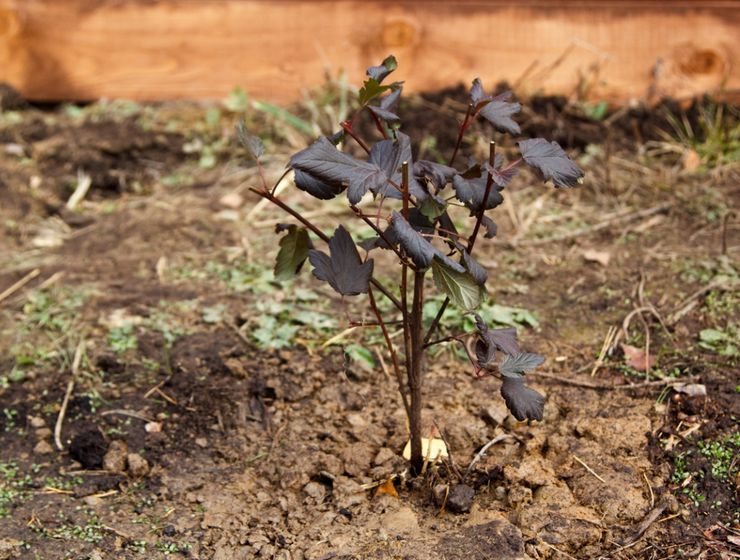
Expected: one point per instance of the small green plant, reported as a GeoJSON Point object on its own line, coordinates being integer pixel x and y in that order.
{"type": "Point", "coordinates": [121, 339]}
{"type": "Point", "coordinates": [412, 208]}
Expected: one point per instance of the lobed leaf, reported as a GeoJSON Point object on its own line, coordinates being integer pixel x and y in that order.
{"type": "Point", "coordinates": [491, 228]}
{"type": "Point", "coordinates": [523, 402]}
{"type": "Point", "coordinates": [389, 156]}
{"type": "Point", "coordinates": [498, 112]}
{"type": "Point", "coordinates": [387, 107]}
{"type": "Point", "coordinates": [252, 143]}
{"type": "Point", "coordinates": [518, 364]}
{"type": "Point", "coordinates": [316, 187]}
{"type": "Point", "coordinates": [418, 248]}
{"type": "Point", "coordinates": [437, 174]}
{"type": "Point", "coordinates": [551, 162]}
{"type": "Point", "coordinates": [325, 163]}
{"type": "Point", "coordinates": [471, 191]}
{"type": "Point", "coordinates": [293, 251]}
{"type": "Point", "coordinates": [343, 268]}
{"type": "Point", "coordinates": [491, 340]}
{"type": "Point", "coordinates": [462, 289]}
{"type": "Point", "coordinates": [380, 73]}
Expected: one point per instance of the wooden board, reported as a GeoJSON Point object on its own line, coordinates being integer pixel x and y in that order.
{"type": "Point", "coordinates": [199, 49]}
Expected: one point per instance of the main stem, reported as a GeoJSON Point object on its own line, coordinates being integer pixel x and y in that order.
{"type": "Point", "coordinates": [415, 370]}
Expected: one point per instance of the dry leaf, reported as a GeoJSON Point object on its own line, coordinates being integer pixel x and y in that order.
{"type": "Point", "coordinates": [387, 488]}
{"type": "Point", "coordinates": [601, 257]}
{"type": "Point", "coordinates": [431, 449]}
{"type": "Point", "coordinates": [635, 358]}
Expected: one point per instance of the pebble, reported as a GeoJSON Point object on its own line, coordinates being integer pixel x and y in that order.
{"type": "Point", "coordinates": [37, 422]}
{"type": "Point", "coordinates": [115, 458]}
{"type": "Point", "coordinates": [43, 433]}
{"type": "Point", "coordinates": [43, 448]}
{"type": "Point", "coordinates": [137, 465]}
{"type": "Point", "coordinates": [315, 490]}
{"type": "Point", "coordinates": [460, 498]}
{"type": "Point", "coordinates": [383, 456]}
{"type": "Point", "coordinates": [201, 442]}
{"type": "Point", "coordinates": [231, 200]}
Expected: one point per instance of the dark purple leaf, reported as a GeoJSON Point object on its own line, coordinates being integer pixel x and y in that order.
{"type": "Point", "coordinates": [498, 112]}
{"type": "Point", "coordinates": [252, 143]}
{"type": "Point", "coordinates": [516, 365]}
{"type": "Point", "coordinates": [447, 227]}
{"type": "Point", "coordinates": [491, 340]}
{"type": "Point", "coordinates": [551, 162]}
{"type": "Point", "coordinates": [437, 174]}
{"type": "Point", "coordinates": [389, 156]}
{"type": "Point", "coordinates": [386, 109]}
{"type": "Point", "coordinates": [417, 246]}
{"type": "Point", "coordinates": [502, 176]}
{"type": "Point", "coordinates": [477, 93]}
{"type": "Point", "coordinates": [490, 226]}
{"type": "Point", "coordinates": [479, 274]}
{"type": "Point", "coordinates": [523, 402]}
{"type": "Point", "coordinates": [343, 269]}
{"type": "Point", "coordinates": [471, 191]}
{"type": "Point", "coordinates": [417, 220]}
{"type": "Point", "coordinates": [379, 73]}
{"type": "Point", "coordinates": [324, 162]}
{"type": "Point", "coordinates": [316, 187]}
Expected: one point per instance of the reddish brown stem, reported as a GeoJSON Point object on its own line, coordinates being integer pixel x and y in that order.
{"type": "Point", "coordinates": [347, 127]}
{"type": "Point", "coordinates": [416, 371]}
{"type": "Point", "coordinates": [391, 350]}
{"type": "Point", "coordinates": [463, 127]}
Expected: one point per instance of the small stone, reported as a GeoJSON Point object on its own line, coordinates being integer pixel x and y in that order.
{"type": "Point", "coordinates": [460, 498]}
{"type": "Point", "coordinates": [153, 427]}
{"type": "Point", "coordinates": [231, 200]}
{"type": "Point", "coordinates": [115, 458]}
{"type": "Point", "coordinates": [92, 500]}
{"type": "Point", "coordinates": [43, 433]}
{"type": "Point", "coordinates": [201, 442]}
{"type": "Point", "coordinates": [383, 456]}
{"type": "Point", "coordinates": [495, 414]}
{"type": "Point", "coordinates": [43, 448]}
{"type": "Point", "coordinates": [356, 420]}
{"type": "Point", "coordinates": [315, 490]}
{"type": "Point", "coordinates": [137, 465]}
{"type": "Point", "coordinates": [440, 492]}
{"type": "Point", "coordinates": [36, 422]}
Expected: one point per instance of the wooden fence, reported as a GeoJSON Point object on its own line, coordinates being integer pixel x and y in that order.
{"type": "Point", "coordinates": [199, 49]}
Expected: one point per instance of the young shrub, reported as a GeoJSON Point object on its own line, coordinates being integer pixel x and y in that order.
{"type": "Point", "coordinates": [407, 204]}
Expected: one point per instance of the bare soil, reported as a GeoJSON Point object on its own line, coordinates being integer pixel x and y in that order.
{"type": "Point", "coordinates": [183, 436]}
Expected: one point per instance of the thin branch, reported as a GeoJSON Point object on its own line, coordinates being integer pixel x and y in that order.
{"type": "Point", "coordinates": [378, 124]}
{"type": "Point", "coordinates": [461, 133]}
{"type": "Point", "coordinates": [347, 127]}
{"type": "Point", "coordinates": [280, 204]}
{"type": "Point", "coordinates": [391, 350]}
{"type": "Point", "coordinates": [381, 234]}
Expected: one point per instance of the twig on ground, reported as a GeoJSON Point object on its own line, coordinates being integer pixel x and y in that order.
{"type": "Point", "coordinates": [129, 413]}
{"type": "Point", "coordinates": [589, 469]}
{"type": "Point", "coordinates": [19, 284]}
{"type": "Point", "coordinates": [76, 361]}
{"type": "Point", "coordinates": [479, 455]}
{"type": "Point", "coordinates": [606, 346]}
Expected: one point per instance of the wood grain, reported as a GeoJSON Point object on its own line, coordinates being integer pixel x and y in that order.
{"type": "Point", "coordinates": [200, 49]}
